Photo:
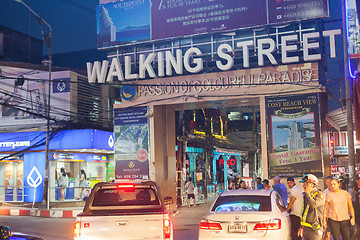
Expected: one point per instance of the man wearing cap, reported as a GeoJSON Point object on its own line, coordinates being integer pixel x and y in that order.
{"type": "Point", "coordinates": [312, 210]}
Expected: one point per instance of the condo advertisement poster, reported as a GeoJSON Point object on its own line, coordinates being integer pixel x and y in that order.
{"type": "Point", "coordinates": [294, 135]}
{"type": "Point", "coordinates": [131, 131]}
{"type": "Point", "coordinates": [121, 22]}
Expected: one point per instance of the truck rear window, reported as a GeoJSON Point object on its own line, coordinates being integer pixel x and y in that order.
{"type": "Point", "coordinates": [125, 197]}
{"type": "Point", "coordinates": [242, 203]}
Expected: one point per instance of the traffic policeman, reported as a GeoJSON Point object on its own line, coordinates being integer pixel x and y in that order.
{"type": "Point", "coordinates": [312, 211]}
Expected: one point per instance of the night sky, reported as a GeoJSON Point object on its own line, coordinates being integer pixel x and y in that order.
{"type": "Point", "coordinates": [73, 21]}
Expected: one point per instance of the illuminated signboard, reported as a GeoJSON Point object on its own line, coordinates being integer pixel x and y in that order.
{"type": "Point", "coordinates": [128, 21]}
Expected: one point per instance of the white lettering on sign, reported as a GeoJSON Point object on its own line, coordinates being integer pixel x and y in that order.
{"type": "Point", "coordinates": [235, 81]}
{"type": "Point", "coordinates": [14, 144]}
{"type": "Point", "coordinates": [193, 63]}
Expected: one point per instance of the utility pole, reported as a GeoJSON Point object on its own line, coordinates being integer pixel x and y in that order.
{"type": "Point", "coordinates": [48, 42]}
{"type": "Point", "coordinates": [349, 109]}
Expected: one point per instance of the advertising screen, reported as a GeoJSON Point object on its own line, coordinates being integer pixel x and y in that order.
{"type": "Point", "coordinates": [129, 21]}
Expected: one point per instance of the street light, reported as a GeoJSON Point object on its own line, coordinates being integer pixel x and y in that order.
{"type": "Point", "coordinates": [48, 41]}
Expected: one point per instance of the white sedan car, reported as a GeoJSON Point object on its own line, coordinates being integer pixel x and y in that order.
{"type": "Point", "coordinates": [246, 214]}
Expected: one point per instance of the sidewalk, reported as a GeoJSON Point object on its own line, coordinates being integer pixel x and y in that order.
{"type": "Point", "coordinates": [59, 212]}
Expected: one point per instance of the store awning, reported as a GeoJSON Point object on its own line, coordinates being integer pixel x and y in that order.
{"type": "Point", "coordinates": [338, 119]}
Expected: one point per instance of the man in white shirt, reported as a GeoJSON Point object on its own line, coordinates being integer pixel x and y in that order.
{"type": "Point", "coordinates": [190, 187]}
{"type": "Point", "coordinates": [295, 205]}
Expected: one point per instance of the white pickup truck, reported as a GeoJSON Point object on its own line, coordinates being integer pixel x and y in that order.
{"type": "Point", "coordinates": [131, 210]}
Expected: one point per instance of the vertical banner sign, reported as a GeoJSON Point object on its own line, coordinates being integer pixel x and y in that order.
{"type": "Point", "coordinates": [131, 130]}
{"type": "Point", "coordinates": [294, 135]}
{"type": "Point", "coordinates": [34, 173]}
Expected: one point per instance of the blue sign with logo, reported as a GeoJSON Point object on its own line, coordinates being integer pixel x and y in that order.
{"type": "Point", "coordinates": [34, 173]}
{"type": "Point", "coordinates": [61, 85]}
{"type": "Point", "coordinates": [128, 92]}
{"type": "Point", "coordinates": [67, 139]}
{"type": "Point", "coordinates": [77, 157]}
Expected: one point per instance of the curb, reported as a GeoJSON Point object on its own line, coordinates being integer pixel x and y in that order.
{"type": "Point", "coordinates": [40, 213]}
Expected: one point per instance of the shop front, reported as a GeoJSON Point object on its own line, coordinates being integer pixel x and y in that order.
{"type": "Point", "coordinates": [23, 162]}
{"type": "Point", "coordinates": [340, 155]}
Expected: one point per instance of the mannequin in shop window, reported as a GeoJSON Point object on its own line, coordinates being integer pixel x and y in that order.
{"type": "Point", "coordinates": [62, 183]}
{"type": "Point", "coordinates": [82, 183]}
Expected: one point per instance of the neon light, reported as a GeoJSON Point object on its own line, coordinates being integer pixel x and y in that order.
{"type": "Point", "coordinates": [347, 35]}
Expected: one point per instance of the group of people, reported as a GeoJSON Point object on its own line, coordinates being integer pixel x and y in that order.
{"type": "Point", "coordinates": [62, 183]}
{"type": "Point", "coordinates": [314, 214]}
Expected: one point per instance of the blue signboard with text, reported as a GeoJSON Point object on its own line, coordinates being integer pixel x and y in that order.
{"type": "Point", "coordinates": [67, 139]}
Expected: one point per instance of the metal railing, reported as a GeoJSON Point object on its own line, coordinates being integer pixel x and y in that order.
{"type": "Point", "coordinates": [70, 193]}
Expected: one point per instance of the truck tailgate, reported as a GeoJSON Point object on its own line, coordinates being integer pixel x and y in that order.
{"type": "Point", "coordinates": [124, 227]}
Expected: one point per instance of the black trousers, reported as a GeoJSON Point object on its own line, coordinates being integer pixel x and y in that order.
{"type": "Point", "coordinates": [295, 225]}
{"type": "Point", "coordinates": [338, 228]}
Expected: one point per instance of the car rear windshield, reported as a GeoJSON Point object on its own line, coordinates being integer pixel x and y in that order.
{"type": "Point", "coordinates": [125, 197]}
{"type": "Point", "coordinates": [246, 203]}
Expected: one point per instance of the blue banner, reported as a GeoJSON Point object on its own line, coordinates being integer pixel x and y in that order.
{"type": "Point", "coordinates": [34, 173]}
{"type": "Point", "coordinates": [77, 157]}
{"type": "Point", "coordinates": [61, 85]}
{"type": "Point", "coordinates": [68, 139]}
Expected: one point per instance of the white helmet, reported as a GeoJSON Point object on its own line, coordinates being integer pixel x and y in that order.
{"type": "Point", "coordinates": [310, 178]}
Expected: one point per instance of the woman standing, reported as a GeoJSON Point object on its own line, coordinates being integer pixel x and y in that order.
{"type": "Point", "coordinates": [62, 183]}
{"type": "Point", "coordinates": [337, 218]}
{"type": "Point", "coordinates": [82, 183]}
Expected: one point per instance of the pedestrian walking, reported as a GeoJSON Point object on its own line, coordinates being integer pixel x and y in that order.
{"type": "Point", "coordinates": [82, 183]}
{"type": "Point", "coordinates": [190, 187]}
{"type": "Point", "coordinates": [338, 218]}
{"type": "Point", "coordinates": [328, 185]}
{"type": "Point", "coordinates": [281, 189]}
{"type": "Point", "coordinates": [327, 233]}
{"type": "Point", "coordinates": [267, 185]}
{"type": "Point", "coordinates": [294, 208]}
{"type": "Point", "coordinates": [311, 222]}
{"type": "Point", "coordinates": [259, 184]}
{"type": "Point", "coordinates": [62, 182]}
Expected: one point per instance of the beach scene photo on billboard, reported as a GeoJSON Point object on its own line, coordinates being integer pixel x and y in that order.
{"type": "Point", "coordinates": [293, 134]}
{"type": "Point", "coordinates": [123, 22]}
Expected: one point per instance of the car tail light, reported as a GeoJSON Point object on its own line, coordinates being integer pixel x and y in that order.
{"type": "Point", "coordinates": [205, 224]}
{"type": "Point", "coordinates": [167, 227]}
{"type": "Point", "coordinates": [273, 224]}
{"type": "Point", "coordinates": [121, 185]}
{"type": "Point", "coordinates": [77, 228]}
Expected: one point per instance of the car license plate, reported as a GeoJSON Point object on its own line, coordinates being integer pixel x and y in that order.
{"type": "Point", "coordinates": [238, 228]}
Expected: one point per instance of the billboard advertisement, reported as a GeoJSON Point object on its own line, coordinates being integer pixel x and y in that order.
{"type": "Point", "coordinates": [131, 130]}
{"type": "Point", "coordinates": [128, 21]}
{"type": "Point", "coordinates": [294, 143]}
{"type": "Point", "coordinates": [24, 94]}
